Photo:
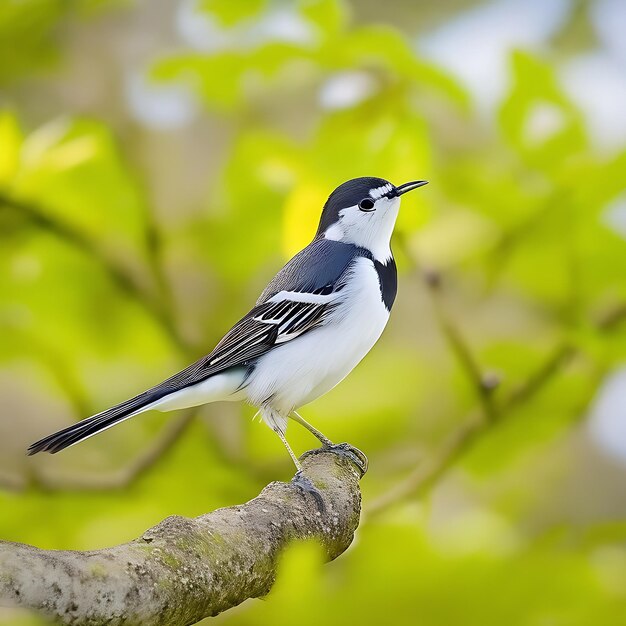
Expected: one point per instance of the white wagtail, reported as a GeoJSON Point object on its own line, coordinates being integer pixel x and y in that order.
{"type": "Point", "coordinates": [317, 318]}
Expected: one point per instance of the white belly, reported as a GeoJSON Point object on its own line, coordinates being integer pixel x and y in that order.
{"type": "Point", "coordinates": [304, 369]}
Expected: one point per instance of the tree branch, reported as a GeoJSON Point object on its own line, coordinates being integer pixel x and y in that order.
{"type": "Point", "coordinates": [183, 569]}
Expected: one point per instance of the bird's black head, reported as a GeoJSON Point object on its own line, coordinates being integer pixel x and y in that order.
{"type": "Point", "coordinates": [348, 194]}
{"type": "Point", "coordinates": [363, 211]}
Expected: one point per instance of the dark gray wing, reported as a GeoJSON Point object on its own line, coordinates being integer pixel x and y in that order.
{"type": "Point", "coordinates": [318, 268]}
{"type": "Point", "coordinates": [265, 327]}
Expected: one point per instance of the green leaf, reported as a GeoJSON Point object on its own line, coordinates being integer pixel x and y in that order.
{"type": "Point", "coordinates": [537, 119]}
{"type": "Point", "coordinates": [72, 172]}
{"type": "Point", "coordinates": [10, 142]}
{"type": "Point", "coordinates": [231, 13]}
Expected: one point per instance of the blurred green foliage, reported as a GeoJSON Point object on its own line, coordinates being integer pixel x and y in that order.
{"type": "Point", "coordinates": [99, 299]}
{"type": "Point", "coordinates": [28, 35]}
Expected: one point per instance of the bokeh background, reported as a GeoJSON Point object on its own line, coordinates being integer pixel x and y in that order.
{"type": "Point", "coordinates": [160, 160]}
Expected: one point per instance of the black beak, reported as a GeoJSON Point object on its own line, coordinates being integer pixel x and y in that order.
{"type": "Point", "coordinates": [398, 191]}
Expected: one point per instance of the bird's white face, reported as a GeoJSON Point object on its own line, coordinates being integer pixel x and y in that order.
{"type": "Point", "coordinates": [369, 223]}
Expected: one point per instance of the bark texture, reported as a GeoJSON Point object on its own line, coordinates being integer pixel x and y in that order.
{"type": "Point", "coordinates": [183, 569]}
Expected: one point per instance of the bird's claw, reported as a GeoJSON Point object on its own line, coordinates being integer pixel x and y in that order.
{"type": "Point", "coordinates": [351, 453]}
{"type": "Point", "coordinates": [302, 482]}
{"type": "Point", "coordinates": [347, 451]}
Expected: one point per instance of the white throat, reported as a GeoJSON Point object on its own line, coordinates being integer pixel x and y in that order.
{"type": "Point", "coordinates": [371, 231]}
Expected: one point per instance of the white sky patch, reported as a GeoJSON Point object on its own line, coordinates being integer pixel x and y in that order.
{"type": "Point", "coordinates": [200, 30]}
{"type": "Point", "coordinates": [615, 215]}
{"type": "Point", "coordinates": [345, 90]}
{"type": "Point", "coordinates": [607, 423]}
{"type": "Point", "coordinates": [597, 84]}
{"type": "Point", "coordinates": [609, 20]}
{"type": "Point", "coordinates": [543, 122]}
{"type": "Point", "coordinates": [161, 106]}
{"type": "Point", "coordinates": [475, 46]}
{"type": "Point", "coordinates": [284, 23]}
{"type": "Point", "coordinates": [281, 22]}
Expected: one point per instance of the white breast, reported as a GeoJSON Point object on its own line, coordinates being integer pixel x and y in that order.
{"type": "Point", "coordinates": [307, 367]}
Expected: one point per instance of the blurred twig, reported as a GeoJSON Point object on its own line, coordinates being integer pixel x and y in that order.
{"type": "Point", "coordinates": [157, 308]}
{"type": "Point", "coordinates": [612, 317]}
{"type": "Point", "coordinates": [483, 383]}
{"type": "Point", "coordinates": [11, 482]}
{"type": "Point", "coordinates": [126, 475]}
{"type": "Point", "coordinates": [459, 442]}
{"type": "Point", "coordinates": [154, 245]}
{"type": "Point", "coordinates": [59, 369]}
{"type": "Point", "coordinates": [506, 245]}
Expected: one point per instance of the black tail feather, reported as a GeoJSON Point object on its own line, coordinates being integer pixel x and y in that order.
{"type": "Point", "coordinates": [71, 435]}
{"type": "Point", "coordinates": [56, 442]}
{"type": "Point", "coordinates": [86, 428]}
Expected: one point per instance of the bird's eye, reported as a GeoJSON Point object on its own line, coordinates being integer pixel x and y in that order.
{"type": "Point", "coordinates": [366, 204]}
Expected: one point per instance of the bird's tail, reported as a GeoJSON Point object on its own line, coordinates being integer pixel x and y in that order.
{"type": "Point", "coordinates": [86, 428]}
{"type": "Point", "coordinates": [173, 393]}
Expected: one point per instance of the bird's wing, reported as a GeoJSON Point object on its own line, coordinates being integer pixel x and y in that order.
{"type": "Point", "coordinates": [284, 317]}
{"type": "Point", "coordinates": [319, 268]}
{"type": "Point", "coordinates": [297, 300]}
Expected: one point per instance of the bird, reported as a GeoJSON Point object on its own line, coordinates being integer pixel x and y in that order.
{"type": "Point", "coordinates": [312, 324]}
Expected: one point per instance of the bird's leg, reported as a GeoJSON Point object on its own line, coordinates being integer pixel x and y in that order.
{"type": "Point", "coordinates": [326, 442]}
{"type": "Point", "coordinates": [343, 449]}
{"type": "Point", "coordinates": [294, 458]}
{"type": "Point", "coordinates": [300, 480]}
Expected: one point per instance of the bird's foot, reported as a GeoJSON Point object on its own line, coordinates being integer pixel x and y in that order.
{"type": "Point", "coordinates": [305, 484]}
{"type": "Point", "coordinates": [352, 454]}
{"type": "Point", "coordinates": [347, 451]}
